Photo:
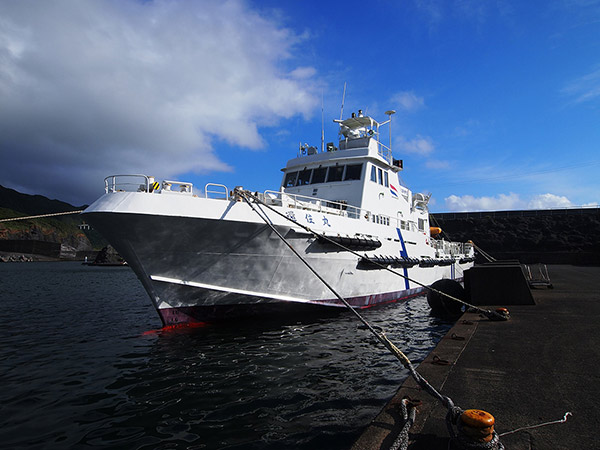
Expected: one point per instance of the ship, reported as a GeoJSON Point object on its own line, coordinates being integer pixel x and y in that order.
{"type": "Point", "coordinates": [214, 254]}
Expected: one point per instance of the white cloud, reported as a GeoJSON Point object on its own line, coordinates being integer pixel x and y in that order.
{"type": "Point", "coordinates": [303, 72]}
{"type": "Point", "coordinates": [471, 203]}
{"type": "Point", "coordinates": [91, 88]}
{"type": "Point", "coordinates": [421, 145]}
{"type": "Point", "coordinates": [408, 101]}
{"type": "Point", "coordinates": [546, 201]}
{"type": "Point", "coordinates": [509, 201]}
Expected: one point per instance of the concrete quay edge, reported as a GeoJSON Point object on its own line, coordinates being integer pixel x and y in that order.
{"type": "Point", "coordinates": [532, 369]}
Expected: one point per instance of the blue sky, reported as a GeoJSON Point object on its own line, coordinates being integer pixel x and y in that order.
{"type": "Point", "coordinates": [498, 102]}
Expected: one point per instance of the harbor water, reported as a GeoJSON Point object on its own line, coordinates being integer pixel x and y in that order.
{"type": "Point", "coordinates": [85, 365]}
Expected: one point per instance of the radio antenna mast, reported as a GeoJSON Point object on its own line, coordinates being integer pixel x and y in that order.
{"type": "Point", "coordinates": [390, 113]}
{"type": "Point", "coordinates": [322, 126]}
{"type": "Point", "coordinates": [343, 98]}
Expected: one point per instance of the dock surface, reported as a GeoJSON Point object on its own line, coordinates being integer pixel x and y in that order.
{"type": "Point", "coordinates": [542, 363]}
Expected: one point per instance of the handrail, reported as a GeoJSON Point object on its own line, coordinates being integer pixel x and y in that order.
{"type": "Point", "coordinates": [314, 204]}
{"type": "Point", "coordinates": [207, 191]}
{"type": "Point", "coordinates": [128, 183]}
{"type": "Point", "coordinates": [330, 207]}
{"type": "Point", "coordinates": [113, 186]}
{"type": "Point", "coordinates": [385, 152]}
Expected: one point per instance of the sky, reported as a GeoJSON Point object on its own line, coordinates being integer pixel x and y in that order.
{"type": "Point", "coordinates": [497, 102]}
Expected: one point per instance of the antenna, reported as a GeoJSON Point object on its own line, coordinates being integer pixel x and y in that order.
{"type": "Point", "coordinates": [322, 126]}
{"type": "Point", "coordinates": [390, 113]}
{"type": "Point", "coordinates": [343, 98]}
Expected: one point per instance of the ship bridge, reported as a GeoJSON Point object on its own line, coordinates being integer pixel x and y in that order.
{"type": "Point", "coordinates": [359, 171]}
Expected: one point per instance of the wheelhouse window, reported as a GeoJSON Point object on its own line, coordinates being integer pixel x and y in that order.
{"type": "Point", "coordinates": [304, 177]}
{"type": "Point", "coordinates": [380, 176]}
{"type": "Point", "coordinates": [319, 175]}
{"type": "Point", "coordinates": [327, 174]}
{"type": "Point", "coordinates": [335, 173]}
{"type": "Point", "coordinates": [353, 172]}
{"type": "Point", "coordinates": [290, 179]}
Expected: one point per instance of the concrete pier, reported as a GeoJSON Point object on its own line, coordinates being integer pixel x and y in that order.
{"type": "Point", "coordinates": [532, 369]}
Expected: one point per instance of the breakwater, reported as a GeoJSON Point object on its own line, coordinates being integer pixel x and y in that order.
{"type": "Point", "coordinates": [551, 236]}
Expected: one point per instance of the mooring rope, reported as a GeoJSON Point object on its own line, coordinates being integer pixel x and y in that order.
{"type": "Point", "coordinates": [492, 315]}
{"type": "Point", "coordinates": [454, 412]}
{"type": "Point", "coordinates": [41, 216]}
{"type": "Point", "coordinates": [563, 420]}
{"type": "Point", "coordinates": [487, 256]}
{"type": "Point", "coordinates": [409, 413]}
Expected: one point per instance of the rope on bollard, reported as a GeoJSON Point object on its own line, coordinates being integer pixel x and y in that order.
{"type": "Point", "coordinates": [409, 413]}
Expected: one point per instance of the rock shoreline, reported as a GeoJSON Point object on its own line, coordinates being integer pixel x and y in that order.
{"type": "Point", "coordinates": [10, 257]}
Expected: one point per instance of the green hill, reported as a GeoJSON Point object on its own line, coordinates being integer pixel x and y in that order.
{"type": "Point", "coordinates": [63, 230]}
{"type": "Point", "coordinates": [32, 204]}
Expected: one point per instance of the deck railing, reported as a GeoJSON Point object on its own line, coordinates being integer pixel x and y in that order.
{"type": "Point", "coordinates": [144, 183]}
{"type": "Point", "coordinates": [218, 191]}
{"type": "Point", "coordinates": [311, 204]}
{"type": "Point", "coordinates": [127, 183]}
{"type": "Point", "coordinates": [451, 248]}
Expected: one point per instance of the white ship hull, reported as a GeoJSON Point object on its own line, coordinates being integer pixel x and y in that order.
{"type": "Point", "coordinates": [202, 259]}
{"type": "Point", "coordinates": [216, 254]}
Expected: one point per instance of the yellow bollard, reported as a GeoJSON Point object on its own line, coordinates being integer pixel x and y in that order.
{"type": "Point", "coordinates": [477, 425]}
{"type": "Point", "coordinates": [504, 312]}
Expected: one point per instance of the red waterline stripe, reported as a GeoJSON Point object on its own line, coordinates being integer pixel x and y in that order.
{"type": "Point", "coordinates": [176, 327]}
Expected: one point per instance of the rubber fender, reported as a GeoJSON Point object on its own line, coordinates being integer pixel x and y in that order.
{"type": "Point", "coordinates": [346, 241]}
{"type": "Point", "coordinates": [440, 304]}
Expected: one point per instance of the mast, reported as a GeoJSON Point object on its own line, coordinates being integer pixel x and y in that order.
{"type": "Point", "coordinates": [389, 114]}
{"type": "Point", "coordinates": [343, 98]}
{"type": "Point", "coordinates": [322, 126]}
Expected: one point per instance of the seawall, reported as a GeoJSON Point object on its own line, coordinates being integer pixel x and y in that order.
{"type": "Point", "coordinates": [552, 236]}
